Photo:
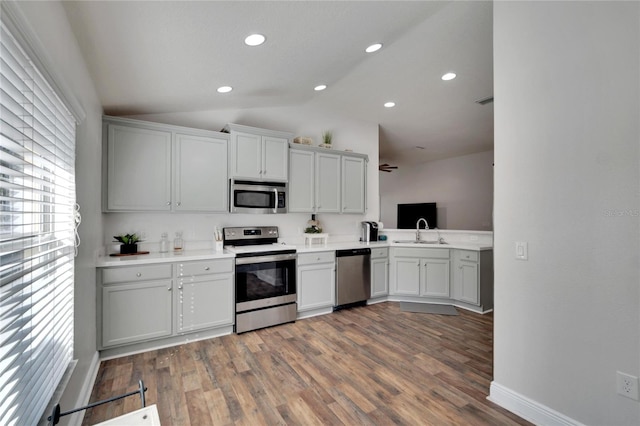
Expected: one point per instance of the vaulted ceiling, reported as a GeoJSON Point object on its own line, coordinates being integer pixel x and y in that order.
{"type": "Point", "coordinates": [171, 56]}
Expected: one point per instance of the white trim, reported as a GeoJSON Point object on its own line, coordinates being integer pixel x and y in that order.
{"type": "Point", "coordinates": [22, 30]}
{"type": "Point", "coordinates": [85, 393]}
{"type": "Point", "coordinates": [527, 408]}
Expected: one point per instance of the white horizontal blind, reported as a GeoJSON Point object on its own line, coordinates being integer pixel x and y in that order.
{"type": "Point", "coordinates": [37, 198]}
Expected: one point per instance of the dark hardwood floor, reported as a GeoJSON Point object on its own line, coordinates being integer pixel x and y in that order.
{"type": "Point", "coordinates": [373, 365]}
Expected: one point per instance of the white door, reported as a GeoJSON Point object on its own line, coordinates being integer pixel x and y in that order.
{"type": "Point", "coordinates": [327, 183]}
{"type": "Point", "coordinates": [301, 181]}
{"type": "Point", "coordinates": [353, 184]}
{"type": "Point", "coordinates": [435, 278]}
{"type": "Point", "coordinates": [205, 302]}
{"type": "Point", "coordinates": [246, 155]}
{"type": "Point", "coordinates": [406, 276]}
{"type": "Point", "coordinates": [275, 162]}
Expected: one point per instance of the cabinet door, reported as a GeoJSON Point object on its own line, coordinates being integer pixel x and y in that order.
{"type": "Point", "coordinates": [406, 276]}
{"type": "Point", "coordinates": [246, 155]}
{"type": "Point", "coordinates": [466, 282]}
{"type": "Point", "coordinates": [301, 179]}
{"type": "Point", "coordinates": [316, 286]}
{"type": "Point", "coordinates": [275, 158]}
{"type": "Point", "coordinates": [204, 302]}
{"type": "Point", "coordinates": [327, 183]}
{"type": "Point", "coordinates": [136, 312]}
{"type": "Point", "coordinates": [379, 277]}
{"type": "Point", "coordinates": [138, 169]}
{"type": "Point", "coordinates": [434, 278]}
{"type": "Point", "coordinates": [201, 174]}
{"type": "Point", "coordinates": [353, 184]}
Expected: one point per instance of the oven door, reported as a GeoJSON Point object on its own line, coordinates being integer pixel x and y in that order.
{"type": "Point", "coordinates": [265, 280]}
{"type": "Point", "coordinates": [258, 197]}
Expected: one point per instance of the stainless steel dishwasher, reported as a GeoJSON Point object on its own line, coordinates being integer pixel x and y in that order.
{"type": "Point", "coordinates": [353, 277]}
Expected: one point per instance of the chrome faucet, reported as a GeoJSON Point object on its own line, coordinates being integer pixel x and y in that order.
{"type": "Point", "coordinates": [426, 226]}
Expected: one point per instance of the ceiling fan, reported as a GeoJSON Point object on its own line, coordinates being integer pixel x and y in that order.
{"type": "Point", "coordinates": [386, 168]}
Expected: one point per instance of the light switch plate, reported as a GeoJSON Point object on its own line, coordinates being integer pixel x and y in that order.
{"type": "Point", "coordinates": [522, 250]}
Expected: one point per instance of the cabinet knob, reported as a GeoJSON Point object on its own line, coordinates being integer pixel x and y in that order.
{"type": "Point", "coordinates": [206, 268]}
{"type": "Point", "coordinates": [180, 287]}
{"type": "Point", "coordinates": [179, 203]}
{"type": "Point", "coordinates": [168, 203]}
{"type": "Point", "coordinates": [139, 274]}
{"type": "Point", "coordinates": [169, 289]}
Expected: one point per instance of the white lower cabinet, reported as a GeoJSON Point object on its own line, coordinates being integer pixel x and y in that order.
{"type": "Point", "coordinates": [136, 304]}
{"type": "Point", "coordinates": [143, 303]}
{"type": "Point", "coordinates": [379, 272]}
{"type": "Point", "coordinates": [472, 279]}
{"type": "Point", "coordinates": [316, 280]}
{"type": "Point", "coordinates": [420, 272]}
{"type": "Point", "coordinates": [205, 295]}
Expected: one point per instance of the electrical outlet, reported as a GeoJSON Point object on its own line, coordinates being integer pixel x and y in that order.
{"type": "Point", "coordinates": [627, 385]}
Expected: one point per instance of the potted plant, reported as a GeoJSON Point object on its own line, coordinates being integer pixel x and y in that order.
{"type": "Point", "coordinates": [327, 138]}
{"type": "Point", "coordinates": [129, 243]}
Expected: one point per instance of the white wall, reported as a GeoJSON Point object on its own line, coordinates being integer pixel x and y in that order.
{"type": "Point", "coordinates": [461, 186]}
{"type": "Point", "coordinates": [49, 21]}
{"type": "Point", "coordinates": [307, 120]}
{"type": "Point", "coordinates": [567, 182]}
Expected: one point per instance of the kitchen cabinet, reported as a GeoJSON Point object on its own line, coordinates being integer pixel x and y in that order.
{"type": "Point", "coordinates": [325, 181]}
{"type": "Point", "coordinates": [126, 293]}
{"type": "Point", "coordinates": [200, 173]}
{"type": "Point", "coordinates": [420, 272]}
{"type": "Point", "coordinates": [472, 276]}
{"type": "Point", "coordinates": [137, 304]}
{"type": "Point", "coordinates": [258, 154]}
{"type": "Point", "coordinates": [316, 281]}
{"type": "Point", "coordinates": [157, 167]}
{"type": "Point", "coordinates": [379, 272]}
{"type": "Point", "coordinates": [354, 177]}
{"type": "Point", "coordinates": [205, 294]}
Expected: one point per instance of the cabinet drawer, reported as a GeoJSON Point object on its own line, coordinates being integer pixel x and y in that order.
{"type": "Point", "coordinates": [468, 255]}
{"type": "Point", "coordinates": [431, 253]}
{"type": "Point", "coordinates": [379, 253]}
{"type": "Point", "coordinates": [319, 257]}
{"type": "Point", "coordinates": [204, 267]}
{"type": "Point", "coordinates": [135, 273]}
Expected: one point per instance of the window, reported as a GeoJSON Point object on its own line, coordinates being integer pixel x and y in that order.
{"type": "Point", "coordinates": [37, 199]}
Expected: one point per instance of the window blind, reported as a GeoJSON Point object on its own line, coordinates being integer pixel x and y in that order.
{"type": "Point", "coordinates": [37, 199]}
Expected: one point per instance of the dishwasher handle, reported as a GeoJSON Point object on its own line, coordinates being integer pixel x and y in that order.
{"type": "Point", "coordinates": [353, 252]}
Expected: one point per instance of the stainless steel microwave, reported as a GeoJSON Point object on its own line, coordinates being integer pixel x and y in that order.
{"type": "Point", "coordinates": [257, 197]}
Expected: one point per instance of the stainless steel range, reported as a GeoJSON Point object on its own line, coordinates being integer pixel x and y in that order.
{"type": "Point", "coordinates": [265, 277]}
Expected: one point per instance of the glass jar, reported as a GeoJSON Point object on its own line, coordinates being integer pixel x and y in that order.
{"type": "Point", "coordinates": [164, 243]}
{"type": "Point", "coordinates": [178, 242]}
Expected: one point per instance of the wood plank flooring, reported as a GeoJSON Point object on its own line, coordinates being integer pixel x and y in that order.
{"type": "Point", "coordinates": [373, 365]}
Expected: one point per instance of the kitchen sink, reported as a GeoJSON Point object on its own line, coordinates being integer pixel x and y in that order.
{"type": "Point", "coordinates": [434, 242]}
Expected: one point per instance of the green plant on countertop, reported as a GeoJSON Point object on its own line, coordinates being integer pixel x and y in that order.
{"type": "Point", "coordinates": [313, 230]}
{"type": "Point", "coordinates": [327, 137]}
{"type": "Point", "coordinates": [127, 238]}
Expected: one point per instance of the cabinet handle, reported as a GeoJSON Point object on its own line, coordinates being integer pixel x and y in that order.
{"type": "Point", "coordinates": [168, 203]}
{"type": "Point", "coordinates": [179, 203]}
{"type": "Point", "coordinates": [139, 274]}
{"type": "Point", "coordinates": [206, 268]}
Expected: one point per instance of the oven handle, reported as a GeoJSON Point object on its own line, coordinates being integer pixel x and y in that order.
{"type": "Point", "coordinates": [263, 259]}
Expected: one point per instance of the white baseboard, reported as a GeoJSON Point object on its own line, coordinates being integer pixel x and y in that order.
{"type": "Point", "coordinates": [76, 419]}
{"type": "Point", "coordinates": [527, 408]}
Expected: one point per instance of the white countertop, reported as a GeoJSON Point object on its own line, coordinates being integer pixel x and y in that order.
{"type": "Point", "coordinates": [156, 257]}
{"type": "Point", "coordinates": [190, 255]}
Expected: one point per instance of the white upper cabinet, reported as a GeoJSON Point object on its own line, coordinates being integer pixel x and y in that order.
{"type": "Point", "coordinates": [138, 169]}
{"type": "Point", "coordinates": [258, 154]}
{"type": "Point", "coordinates": [200, 173]}
{"type": "Point", "coordinates": [326, 181]}
{"type": "Point", "coordinates": [157, 167]}
{"type": "Point", "coordinates": [354, 178]}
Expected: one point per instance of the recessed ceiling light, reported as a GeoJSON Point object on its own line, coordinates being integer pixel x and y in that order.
{"type": "Point", "coordinates": [449, 76]}
{"type": "Point", "coordinates": [373, 48]}
{"type": "Point", "coordinates": [320, 87]}
{"type": "Point", "coordinates": [224, 89]}
{"type": "Point", "coordinates": [254, 40]}
{"type": "Point", "coordinates": [389, 104]}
